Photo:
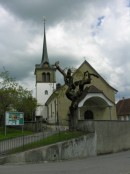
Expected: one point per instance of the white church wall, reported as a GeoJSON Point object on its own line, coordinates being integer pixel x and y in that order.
{"type": "Point", "coordinates": [43, 92]}
{"type": "Point", "coordinates": [41, 111]}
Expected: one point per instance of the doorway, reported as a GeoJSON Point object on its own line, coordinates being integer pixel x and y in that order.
{"type": "Point", "coordinates": [88, 115]}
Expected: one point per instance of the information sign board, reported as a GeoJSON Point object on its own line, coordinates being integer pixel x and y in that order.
{"type": "Point", "coordinates": [14, 118]}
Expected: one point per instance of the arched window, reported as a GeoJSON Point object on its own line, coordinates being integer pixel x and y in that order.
{"type": "Point", "coordinates": [46, 92]}
{"type": "Point", "coordinates": [88, 115]}
{"type": "Point", "coordinates": [44, 77]}
{"type": "Point", "coordinates": [48, 77]}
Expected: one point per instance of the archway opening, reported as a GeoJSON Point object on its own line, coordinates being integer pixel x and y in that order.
{"type": "Point", "coordinates": [88, 115]}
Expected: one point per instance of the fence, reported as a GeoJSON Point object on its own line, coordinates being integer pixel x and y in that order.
{"type": "Point", "coordinates": [35, 126]}
{"type": "Point", "coordinates": [9, 144]}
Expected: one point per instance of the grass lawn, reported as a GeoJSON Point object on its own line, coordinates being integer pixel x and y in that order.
{"type": "Point", "coordinates": [61, 136]}
{"type": "Point", "coordinates": [12, 133]}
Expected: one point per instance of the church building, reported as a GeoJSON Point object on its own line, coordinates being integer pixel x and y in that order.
{"type": "Point", "coordinates": [97, 101]}
{"type": "Point", "coordinates": [45, 81]}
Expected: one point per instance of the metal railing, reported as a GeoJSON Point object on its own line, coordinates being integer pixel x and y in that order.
{"type": "Point", "coordinates": [10, 144]}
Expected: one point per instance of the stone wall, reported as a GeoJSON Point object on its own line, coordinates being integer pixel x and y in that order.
{"type": "Point", "coordinates": [75, 148]}
{"type": "Point", "coordinates": [101, 137]}
{"type": "Point", "coordinates": [112, 136]}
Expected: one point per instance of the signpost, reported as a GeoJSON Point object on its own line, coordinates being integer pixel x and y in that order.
{"type": "Point", "coordinates": [14, 119]}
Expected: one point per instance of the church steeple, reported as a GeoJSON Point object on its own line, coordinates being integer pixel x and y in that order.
{"type": "Point", "coordinates": [45, 59]}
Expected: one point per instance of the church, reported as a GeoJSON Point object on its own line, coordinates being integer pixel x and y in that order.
{"type": "Point", "coordinates": [96, 103]}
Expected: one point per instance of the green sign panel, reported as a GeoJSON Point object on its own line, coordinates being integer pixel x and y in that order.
{"type": "Point", "coordinates": [14, 118]}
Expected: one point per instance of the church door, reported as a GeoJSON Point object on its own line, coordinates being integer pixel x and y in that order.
{"type": "Point", "coordinates": [88, 115]}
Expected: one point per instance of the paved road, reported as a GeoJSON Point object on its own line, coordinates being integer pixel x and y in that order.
{"type": "Point", "coordinates": [118, 163]}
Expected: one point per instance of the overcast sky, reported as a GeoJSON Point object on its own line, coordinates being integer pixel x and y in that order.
{"type": "Point", "coordinates": [95, 30]}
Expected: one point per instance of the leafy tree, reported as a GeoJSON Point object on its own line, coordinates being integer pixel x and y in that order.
{"type": "Point", "coordinates": [15, 97]}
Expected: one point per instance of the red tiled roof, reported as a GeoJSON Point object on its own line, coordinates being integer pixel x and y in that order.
{"type": "Point", "coordinates": [123, 107]}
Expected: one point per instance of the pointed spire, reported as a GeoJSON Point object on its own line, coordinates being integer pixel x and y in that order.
{"type": "Point", "coordinates": [45, 59]}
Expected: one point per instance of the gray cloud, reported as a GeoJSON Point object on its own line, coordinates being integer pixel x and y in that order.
{"type": "Point", "coordinates": [73, 32]}
{"type": "Point", "coordinates": [55, 11]}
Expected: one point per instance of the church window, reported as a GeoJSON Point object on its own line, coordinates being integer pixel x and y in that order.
{"type": "Point", "coordinates": [44, 77]}
{"type": "Point", "coordinates": [46, 92]}
{"type": "Point", "coordinates": [48, 77]}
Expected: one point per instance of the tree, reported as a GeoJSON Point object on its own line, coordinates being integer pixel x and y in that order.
{"type": "Point", "coordinates": [75, 89]}
{"type": "Point", "coordinates": [14, 97]}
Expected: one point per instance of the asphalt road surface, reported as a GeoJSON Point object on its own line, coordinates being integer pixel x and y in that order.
{"type": "Point", "coordinates": [118, 163]}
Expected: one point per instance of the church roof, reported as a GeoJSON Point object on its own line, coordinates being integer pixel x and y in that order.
{"type": "Point", "coordinates": [86, 62]}
{"type": "Point", "coordinates": [93, 91]}
{"type": "Point", "coordinates": [44, 52]}
{"type": "Point", "coordinates": [90, 89]}
{"type": "Point", "coordinates": [45, 59]}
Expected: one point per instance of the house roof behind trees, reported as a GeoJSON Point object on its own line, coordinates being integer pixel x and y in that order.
{"type": "Point", "coordinates": [123, 107]}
